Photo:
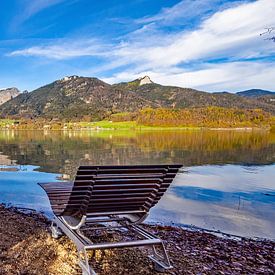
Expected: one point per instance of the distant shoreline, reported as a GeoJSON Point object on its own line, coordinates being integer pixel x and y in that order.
{"type": "Point", "coordinates": [109, 125]}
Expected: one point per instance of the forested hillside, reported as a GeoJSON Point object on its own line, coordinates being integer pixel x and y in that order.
{"type": "Point", "coordinates": [76, 98]}
{"type": "Point", "coordinates": [205, 117]}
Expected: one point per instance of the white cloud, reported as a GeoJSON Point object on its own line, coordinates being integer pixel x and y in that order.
{"type": "Point", "coordinates": [232, 35]}
{"type": "Point", "coordinates": [64, 49]}
{"type": "Point", "coordinates": [31, 8]}
{"type": "Point", "coordinates": [36, 6]}
{"type": "Point", "coordinates": [233, 76]}
{"type": "Point", "coordinates": [186, 9]}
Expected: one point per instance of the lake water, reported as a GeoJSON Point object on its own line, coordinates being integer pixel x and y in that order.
{"type": "Point", "coordinates": [227, 182]}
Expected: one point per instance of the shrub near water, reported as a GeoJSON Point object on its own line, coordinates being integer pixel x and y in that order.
{"type": "Point", "coordinates": [205, 117]}
{"type": "Point", "coordinates": [125, 116]}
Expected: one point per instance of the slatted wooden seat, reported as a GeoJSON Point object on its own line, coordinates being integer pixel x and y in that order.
{"type": "Point", "coordinates": [121, 194]}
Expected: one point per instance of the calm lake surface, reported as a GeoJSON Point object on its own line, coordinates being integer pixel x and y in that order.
{"type": "Point", "coordinates": [227, 182]}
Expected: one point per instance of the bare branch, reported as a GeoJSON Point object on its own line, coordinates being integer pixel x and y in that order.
{"type": "Point", "coordinates": [268, 31]}
{"type": "Point", "coordinates": [269, 34]}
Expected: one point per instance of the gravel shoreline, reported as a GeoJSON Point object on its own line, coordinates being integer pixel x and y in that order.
{"type": "Point", "coordinates": [27, 248]}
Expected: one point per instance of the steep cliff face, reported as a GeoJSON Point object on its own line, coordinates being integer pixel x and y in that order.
{"type": "Point", "coordinates": [8, 94]}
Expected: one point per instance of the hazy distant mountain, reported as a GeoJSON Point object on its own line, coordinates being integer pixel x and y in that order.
{"type": "Point", "coordinates": [262, 96]}
{"type": "Point", "coordinates": [255, 93]}
{"type": "Point", "coordinates": [7, 94]}
{"type": "Point", "coordinates": [76, 97]}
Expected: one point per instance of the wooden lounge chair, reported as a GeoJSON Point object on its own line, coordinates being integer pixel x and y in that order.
{"type": "Point", "coordinates": [113, 196]}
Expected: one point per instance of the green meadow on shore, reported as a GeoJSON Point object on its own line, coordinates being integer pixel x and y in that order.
{"type": "Point", "coordinates": [108, 125]}
{"type": "Point", "coordinates": [82, 125]}
{"type": "Point", "coordinates": [159, 118]}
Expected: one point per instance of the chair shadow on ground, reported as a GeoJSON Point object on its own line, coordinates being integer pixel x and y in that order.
{"type": "Point", "coordinates": [26, 247]}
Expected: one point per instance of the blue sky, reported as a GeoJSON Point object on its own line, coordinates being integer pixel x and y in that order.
{"type": "Point", "coordinates": [211, 45]}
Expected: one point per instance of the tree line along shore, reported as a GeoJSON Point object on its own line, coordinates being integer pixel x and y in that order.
{"type": "Point", "coordinates": [151, 118]}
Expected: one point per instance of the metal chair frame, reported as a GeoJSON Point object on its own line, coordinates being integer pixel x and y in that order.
{"type": "Point", "coordinates": [106, 219]}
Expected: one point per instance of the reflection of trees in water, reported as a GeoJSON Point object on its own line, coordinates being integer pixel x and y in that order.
{"type": "Point", "coordinates": [63, 151]}
{"type": "Point", "coordinates": [208, 147]}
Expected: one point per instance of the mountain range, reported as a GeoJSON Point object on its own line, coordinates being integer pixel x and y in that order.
{"type": "Point", "coordinates": [74, 97]}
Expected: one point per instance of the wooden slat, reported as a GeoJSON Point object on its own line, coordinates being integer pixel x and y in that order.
{"type": "Point", "coordinates": [113, 188]}
{"type": "Point", "coordinates": [116, 167]}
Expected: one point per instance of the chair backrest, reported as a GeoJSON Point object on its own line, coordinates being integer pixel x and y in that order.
{"type": "Point", "coordinates": [118, 189]}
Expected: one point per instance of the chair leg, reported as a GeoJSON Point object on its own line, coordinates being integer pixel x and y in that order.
{"type": "Point", "coordinates": [161, 261]}
{"type": "Point", "coordinates": [84, 263]}
{"type": "Point", "coordinates": [56, 231]}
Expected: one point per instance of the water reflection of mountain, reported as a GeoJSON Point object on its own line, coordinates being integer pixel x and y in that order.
{"type": "Point", "coordinates": [62, 151]}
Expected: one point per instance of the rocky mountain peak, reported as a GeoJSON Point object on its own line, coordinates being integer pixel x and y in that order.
{"type": "Point", "coordinates": [145, 80]}
{"type": "Point", "coordinates": [7, 94]}
{"type": "Point", "coordinates": [77, 97]}
{"type": "Point", "coordinates": [68, 78]}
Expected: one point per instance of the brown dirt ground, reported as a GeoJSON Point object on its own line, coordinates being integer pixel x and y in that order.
{"type": "Point", "coordinates": [26, 247]}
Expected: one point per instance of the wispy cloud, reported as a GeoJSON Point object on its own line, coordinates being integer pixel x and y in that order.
{"type": "Point", "coordinates": [185, 9]}
{"type": "Point", "coordinates": [36, 6]}
{"type": "Point", "coordinates": [64, 49]}
{"type": "Point", "coordinates": [232, 33]}
{"type": "Point", "coordinates": [217, 52]}
{"type": "Point", "coordinates": [233, 76]}
{"type": "Point", "coordinates": [31, 8]}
